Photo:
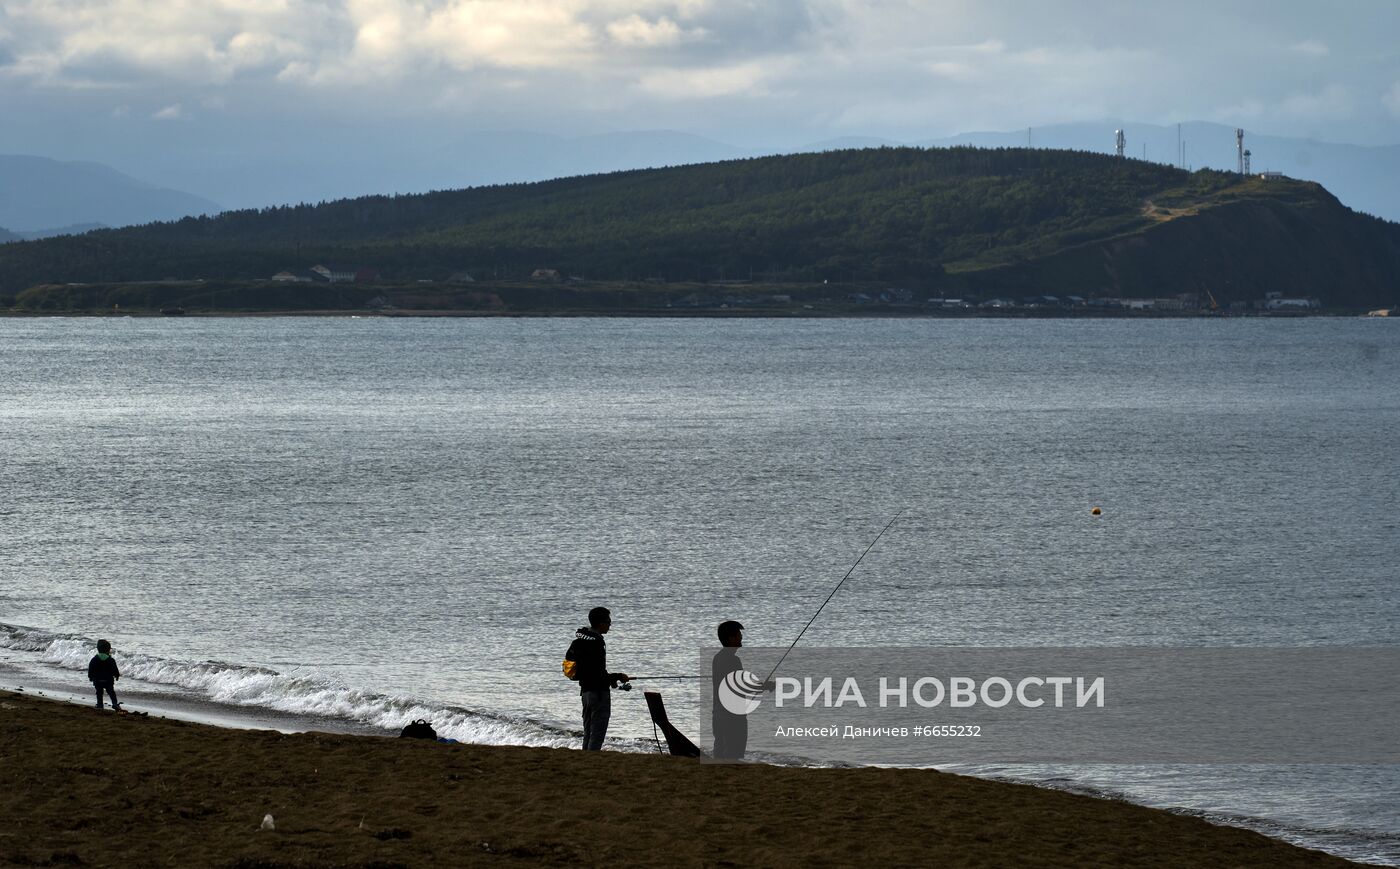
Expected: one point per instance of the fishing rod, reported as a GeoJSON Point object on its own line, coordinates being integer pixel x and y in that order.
{"type": "Point", "coordinates": [627, 686]}
{"type": "Point", "coordinates": [887, 527]}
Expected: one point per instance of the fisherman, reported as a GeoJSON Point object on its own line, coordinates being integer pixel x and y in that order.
{"type": "Point", "coordinates": [595, 683]}
{"type": "Point", "coordinates": [731, 730]}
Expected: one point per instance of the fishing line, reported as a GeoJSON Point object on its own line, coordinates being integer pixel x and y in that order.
{"type": "Point", "coordinates": [833, 594]}
{"type": "Point", "coordinates": [272, 664]}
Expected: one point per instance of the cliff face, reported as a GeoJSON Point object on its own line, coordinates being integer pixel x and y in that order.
{"type": "Point", "coordinates": [1305, 245]}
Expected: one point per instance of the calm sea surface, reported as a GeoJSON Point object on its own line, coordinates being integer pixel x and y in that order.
{"type": "Point", "coordinates": [371, 519]}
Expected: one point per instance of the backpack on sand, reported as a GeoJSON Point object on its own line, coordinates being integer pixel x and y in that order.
{"type": "Point", "coordinates": [419, 729]}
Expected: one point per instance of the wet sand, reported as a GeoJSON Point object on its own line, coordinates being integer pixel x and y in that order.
{"type": "Point", "coordinates": [83, 788]}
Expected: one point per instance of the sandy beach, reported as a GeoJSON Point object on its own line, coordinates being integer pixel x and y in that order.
{"type": "Point", "coordinates": [83, 788]}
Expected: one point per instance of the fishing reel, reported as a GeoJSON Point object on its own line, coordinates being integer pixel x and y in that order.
{"type": "Point", "coordinates": [625, 686]}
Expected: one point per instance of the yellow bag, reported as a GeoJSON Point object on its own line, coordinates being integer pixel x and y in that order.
{"type": "Point", "coordinates": [571, 669]}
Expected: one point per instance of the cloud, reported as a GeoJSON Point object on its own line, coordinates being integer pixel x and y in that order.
{"type": "Point", "coordinates": [894, 68]}
{"type": "Point", "coordinates": [986, 46]}
{"type": "Point", "coordinates": [636, 30]}
{"type": "Point", "coordinates": [1332, 103]}
{"type": "Point", "coordinates": [349, 42]}
{"type": "Point", "coordinates": [1238, 113]}
{"type": "Point", "coordinates": [169, 113]}
{"type": "Point", "coordinates": [76, 43]}
{"type": "Point", "coordinates": [261, 50]}
{"type": "Point", "coordinates": [519, 34]}
{"type": "Point", "coordinates": [1312, 48]}
{"type": "Point", "coordinates": [750, 79]}
{"type": "Point", "coordinates": [988, 83]}
{"type": "Point", "coordinates": [1391, 99]}
{"type": "Point", "coordinates": [950, 69]}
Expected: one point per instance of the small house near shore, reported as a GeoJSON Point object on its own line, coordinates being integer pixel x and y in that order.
{"type": "Point", "coordinates": [335, 274]}
{"type": "Point", "coordinates": [328, 274]}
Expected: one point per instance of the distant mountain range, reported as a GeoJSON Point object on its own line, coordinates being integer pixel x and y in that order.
{"type": "Point", "coordinates": [40, 197]}
{"type": "Point", "coordinates": [31, 235]}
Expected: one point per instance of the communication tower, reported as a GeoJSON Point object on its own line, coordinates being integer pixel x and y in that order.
{"type": "Point", "coordinates": [1240, 163]}
{"type": "Point", "coordinates": [1246, 161]}
{"type": "Point", "coordinates": [1118, 142]}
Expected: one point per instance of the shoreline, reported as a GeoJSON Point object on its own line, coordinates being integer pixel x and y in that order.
{"type": "Point", "coordinates": [109, 790]}
{"type": "Point", "coordinates": [179, 707]}
{"type": "Point", "coordinates": [696, 314]}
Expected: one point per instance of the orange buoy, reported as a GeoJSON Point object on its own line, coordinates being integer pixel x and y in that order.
{"type": "Point", "coordinates": [1096, 511]}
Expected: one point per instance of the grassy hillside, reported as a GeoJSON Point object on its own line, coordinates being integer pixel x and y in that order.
{"type": "Point", "coordinates": [960, 219]}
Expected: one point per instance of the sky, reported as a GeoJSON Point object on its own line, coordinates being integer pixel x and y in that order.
{"type": "Point", "coordinates": [231, 84]}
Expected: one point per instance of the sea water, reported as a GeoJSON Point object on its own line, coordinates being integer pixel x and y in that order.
{"type": "Point", "coordinates": [371, 520]}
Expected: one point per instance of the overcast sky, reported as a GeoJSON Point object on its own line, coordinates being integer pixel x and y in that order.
{"type": "Point", "coordinates": [88, 78]}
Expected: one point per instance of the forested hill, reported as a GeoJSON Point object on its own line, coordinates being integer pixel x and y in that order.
{"type": "Point", "coordinates": [963, 219]}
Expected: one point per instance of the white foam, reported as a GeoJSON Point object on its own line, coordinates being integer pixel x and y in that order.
{"type": "Point", "coordinates": [314, 695]}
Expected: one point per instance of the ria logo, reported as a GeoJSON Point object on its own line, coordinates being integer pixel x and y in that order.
{"type": "Point", "coordinates": [739, 692]}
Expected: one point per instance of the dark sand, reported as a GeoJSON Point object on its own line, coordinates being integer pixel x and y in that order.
{"type": "Point", "coordinates": [83, 788]}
